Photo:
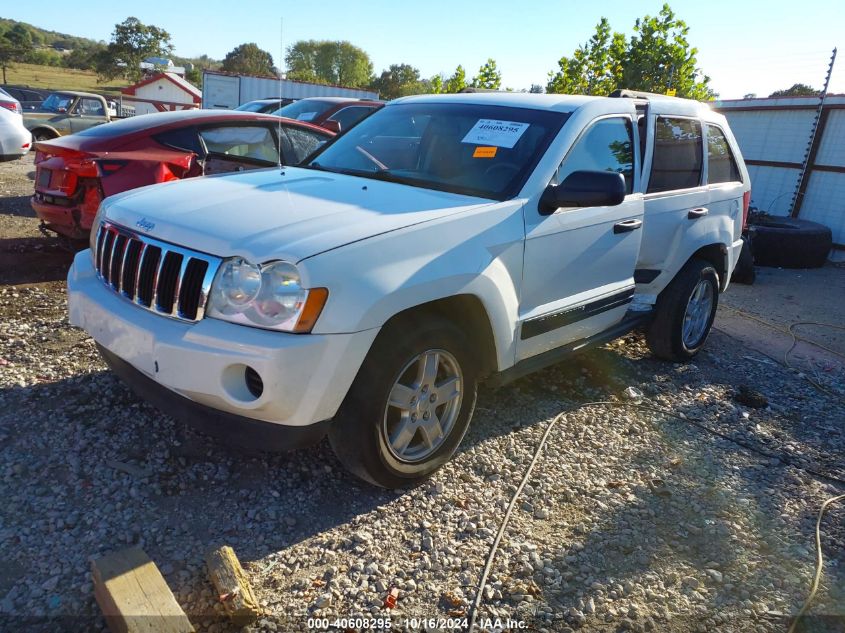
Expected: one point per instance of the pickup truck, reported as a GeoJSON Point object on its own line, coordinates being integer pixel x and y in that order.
{"type": "Point", "coordinates": [444, 240]}
{"type": "Point", "coordinates": [67, 112]}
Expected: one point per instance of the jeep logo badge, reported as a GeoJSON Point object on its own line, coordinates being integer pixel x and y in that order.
{"type": "Point", "coordinates": [145, 225]}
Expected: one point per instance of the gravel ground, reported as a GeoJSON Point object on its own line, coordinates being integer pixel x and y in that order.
{"type": "Point", "coordinates": [632, 519]}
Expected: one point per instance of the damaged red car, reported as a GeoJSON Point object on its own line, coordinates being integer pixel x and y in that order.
{"type": "Point", "coordinates": [74, 173]}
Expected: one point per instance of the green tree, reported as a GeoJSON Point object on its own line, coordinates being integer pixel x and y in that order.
{"type": "Point", "coordinates": [595, 67]}
{"type": "Point", "coordinates": [660, 58]}
{"type": "Point", "coordinates": [330, 62]}
{"type": "Point", "coordinates": [458, 81]}
{"type": "Point", "coordinates": [15, 46]}
{"type": "Point", "coordinates": [796, 90]}
{"type": "Point", "coordinates": [248, 59]}
{"type": "Point", "coordinates": [400, 80]}
{"type": "Point", "coordinates": [536, 89]}
{"type": "Point", "coordinates": [657, 58]}
{"type": "Point", "coordinates": [436, 84]}
{"type": "Point", "coordinates": [83, 56]}
{"type": "Point", "coordinates": [132, 42]}
{"type": "Point", "coordinates": [488, 76]}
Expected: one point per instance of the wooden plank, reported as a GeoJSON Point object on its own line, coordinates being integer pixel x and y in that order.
{"type": "Point", "coordinates": [133, 595]}
{"type": "Point", "coordinates": [232, 585]}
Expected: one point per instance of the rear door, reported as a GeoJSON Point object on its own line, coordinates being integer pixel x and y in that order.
{"type": "Point", "coordinates": [578, 275]}
{"type": "Point", "coordinates": [676, 198]}
{"type": "Point", "coordinates": [724, 180]}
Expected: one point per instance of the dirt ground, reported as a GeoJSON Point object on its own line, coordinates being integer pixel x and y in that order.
{"type": "Point", "coordinates": [680, 509]}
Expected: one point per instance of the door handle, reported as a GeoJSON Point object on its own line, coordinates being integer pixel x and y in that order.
{"type": "Point", "coordinates": [626, 226]}
{"type": "Point", "coordinates": [694, 214]}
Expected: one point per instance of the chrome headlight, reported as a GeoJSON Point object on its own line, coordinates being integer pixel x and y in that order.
{"type": "Point", "coordinates": [269, 296]}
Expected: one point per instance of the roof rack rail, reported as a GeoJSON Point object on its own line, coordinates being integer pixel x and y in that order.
{"type": "Point", "coordinates": [472, 89]}
{"type": "Point", "coordinates": [634, 94]}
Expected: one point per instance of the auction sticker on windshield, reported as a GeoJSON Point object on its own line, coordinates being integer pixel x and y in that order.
{"type": "Point", "coordinates": [499, 133]}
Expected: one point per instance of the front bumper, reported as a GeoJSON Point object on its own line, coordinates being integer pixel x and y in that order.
{"type": "Point", "coordinates": [305, 376]}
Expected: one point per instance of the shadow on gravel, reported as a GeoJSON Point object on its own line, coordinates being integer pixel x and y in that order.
{"type": "Point", "coordinates": [26, 260]}
{"type": "Point", "coordinates": [17, 206]}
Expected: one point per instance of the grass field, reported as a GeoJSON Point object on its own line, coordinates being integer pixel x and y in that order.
{"type": "Point", "coordinates": [56, 78]}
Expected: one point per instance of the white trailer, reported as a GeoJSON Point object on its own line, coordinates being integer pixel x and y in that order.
{"type": "Point", "coordinates": [225, 91]}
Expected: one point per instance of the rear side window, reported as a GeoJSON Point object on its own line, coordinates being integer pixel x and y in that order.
{"type": "Point", "coordinates": [298, 144]}
{"type": "Point", "coordinates": [350, 116]}
{"type": "Point", "coordinates": [256, 143]}
{"type": "Point", "coordinates": [678, 155]}
{"type": "Point", "coordinates": [183, 138]}
{"type": "Point", "coordinates": [721, 165]}
{"type": "Point", "coordinates": [608, 145]}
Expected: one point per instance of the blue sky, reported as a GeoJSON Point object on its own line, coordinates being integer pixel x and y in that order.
{"type": "Point", "coordinates": [744, 45]}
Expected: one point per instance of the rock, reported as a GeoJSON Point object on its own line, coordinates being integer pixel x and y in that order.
{"type": "Point", "coordinates": [715, 575]}
{"type": "Point", "coordinates": [323, 601]}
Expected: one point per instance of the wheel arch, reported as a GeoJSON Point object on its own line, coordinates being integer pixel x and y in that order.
{"type": "Point", "coordinates": [717, 255]}
{"type": "Point", "coordinates": [468, 313]}
{"type": "Point", "coordinates": [45, 128]}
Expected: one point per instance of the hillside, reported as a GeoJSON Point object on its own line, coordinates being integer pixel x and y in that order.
{"type": "Point", "coordinates": [44, 37]}
{"type": "Point", "coordinates": [58, 78]}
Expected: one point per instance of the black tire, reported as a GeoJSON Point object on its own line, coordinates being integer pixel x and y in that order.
{"type": "Point", "coordinates": [665, 333]}
{"type": "Point", "coordinates": [744, 270]}
{"type": "Point", "coordinates": [42, 135]}
{"type": "Point", "coordinates": [790, 242]}
{"type": "Point", "coordinates": [358, 434]}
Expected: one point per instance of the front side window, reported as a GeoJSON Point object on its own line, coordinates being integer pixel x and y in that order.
{"type": "Point", "coordinates": [721, 165]}
{"type": "Point", "coordinates": [608, 145]}
{"type": "Point", "coordinates": [477, 150]}
{"type": "Point", "coordinates": [678, 155]}
{"type": "Point", "coordinates": [253, 142]}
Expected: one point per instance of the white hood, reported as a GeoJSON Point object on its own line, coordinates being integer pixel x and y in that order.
{"type": "Point", "coordinates": [264, 215]}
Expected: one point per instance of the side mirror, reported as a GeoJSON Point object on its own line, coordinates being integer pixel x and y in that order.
{"type": "Point", "coordinates": [584, 189]}
{"type": "Point", "coordinates": [331, 125]}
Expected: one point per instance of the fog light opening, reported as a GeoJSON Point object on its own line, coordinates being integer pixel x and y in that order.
{"type": "Point", "coordinates": [253, 382]}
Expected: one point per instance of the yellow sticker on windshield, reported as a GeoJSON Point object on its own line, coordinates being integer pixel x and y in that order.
{"type": "Point", "coordinates": [484, 152]}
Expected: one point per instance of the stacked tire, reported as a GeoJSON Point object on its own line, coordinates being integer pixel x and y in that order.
{"type": "Point", "coordinates": [786, 242]}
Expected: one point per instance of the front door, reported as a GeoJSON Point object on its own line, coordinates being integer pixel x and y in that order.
{"type": "Point", "coordinates": [578, 275]}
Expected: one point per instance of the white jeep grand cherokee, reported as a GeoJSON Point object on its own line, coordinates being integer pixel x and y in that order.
{"type": "Point", "coordinates": [443, 240]}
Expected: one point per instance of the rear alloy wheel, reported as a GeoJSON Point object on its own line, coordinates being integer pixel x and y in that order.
{"type": "Point", "coordinates": [410, 405]}
{"type": "Point", "coordinates": [684, 312]}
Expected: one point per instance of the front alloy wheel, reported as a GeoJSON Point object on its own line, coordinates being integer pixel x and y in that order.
{"type": "Point", "coordinates": [410, 405]}
{"type": "Point", "coordinates": [423, 406]}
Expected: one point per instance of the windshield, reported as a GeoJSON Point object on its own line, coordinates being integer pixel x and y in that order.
{"type": "Point", "coordinates": [478, 150]}
{"type": "Point", "coordinates": [304, 110]}
{"type": "Point", "coordinates": [57, 103]}
{"type": "Point", "coordinates": [252, 106]}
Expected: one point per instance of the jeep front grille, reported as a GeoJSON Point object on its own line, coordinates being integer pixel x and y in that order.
{"type": "Point", "coordinates": [161, 277]}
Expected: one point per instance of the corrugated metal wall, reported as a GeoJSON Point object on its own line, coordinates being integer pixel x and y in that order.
{"type": "Point", "coordinates": [773, 135]}
{"type": "Point", "coordinates": [221, 90]}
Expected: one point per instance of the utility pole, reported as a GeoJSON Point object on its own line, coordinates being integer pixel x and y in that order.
{"type": "Point", "coordinates": [816, 134]}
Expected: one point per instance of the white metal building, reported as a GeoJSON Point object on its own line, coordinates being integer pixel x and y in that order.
{"type": "Point", "coordinates": [226, 91]}
{"type": "Point", "coordinates": [161, 92]}
{"type": "Point", "coordinates": [775, 136]}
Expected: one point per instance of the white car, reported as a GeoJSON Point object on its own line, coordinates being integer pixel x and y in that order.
{"type": "Point", "coordinates": [444, 240]}
{"type": "Point", "coordinates": [15, 139]}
